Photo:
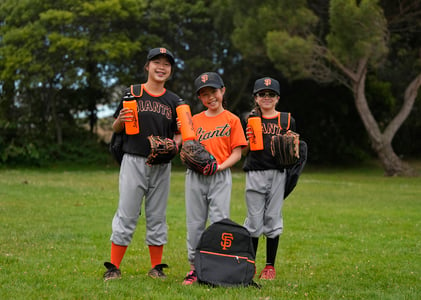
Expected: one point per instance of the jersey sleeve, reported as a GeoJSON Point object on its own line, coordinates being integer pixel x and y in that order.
{"type": "Point", "coordinates": [237, 133]}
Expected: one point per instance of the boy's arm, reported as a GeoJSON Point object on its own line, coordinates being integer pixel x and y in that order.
{"type": "Point", "coordinates": [232, 159]}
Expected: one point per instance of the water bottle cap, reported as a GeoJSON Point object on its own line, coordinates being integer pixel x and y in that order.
{"type": "Point", "coordinates": [128, 96]}
{"type": "Point", "coordinates": [254, 113]}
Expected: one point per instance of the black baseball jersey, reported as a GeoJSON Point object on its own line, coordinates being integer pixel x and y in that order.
{"type": "Point", "coordinates": [157, 116]}
{"type": "Point", "coordinates": [263, 159]}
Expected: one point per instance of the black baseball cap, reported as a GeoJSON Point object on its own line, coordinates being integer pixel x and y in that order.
{"type": "Point", "coordinates": [211, 79]}
{"type": "Point", "coordinates": [266, 83]}
{"type": "Point", "coordinates": [161, 51]}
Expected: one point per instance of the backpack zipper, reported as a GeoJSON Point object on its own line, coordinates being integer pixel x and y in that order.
{"type": "Point", "coordinates": [228, 255]}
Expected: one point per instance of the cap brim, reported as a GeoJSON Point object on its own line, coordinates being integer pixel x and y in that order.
{"type": "Point", "coordinates": [170, 58]}
{"type": "Point", "coordinates": [213, 85]}
{"type": "Point", "coordinates": [266, 89]}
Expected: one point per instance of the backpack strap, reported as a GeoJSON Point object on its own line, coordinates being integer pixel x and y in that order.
{"type": "Point", "coordinates": [136, 90]}
{"type": "Point", "coordinates": [284, 121]}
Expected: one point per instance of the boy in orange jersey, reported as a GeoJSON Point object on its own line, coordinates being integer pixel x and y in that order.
{"type": "Point", "coordinates": [220, 131]}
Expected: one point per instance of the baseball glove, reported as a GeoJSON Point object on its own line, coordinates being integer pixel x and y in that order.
{"type": "Point", "coordinates": [285, 148]}
{"type": "Point", "coordinates": [162, 150]}
{"type": "Point", "coordinates": [194, 155]}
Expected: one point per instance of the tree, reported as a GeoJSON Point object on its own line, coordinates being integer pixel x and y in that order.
{"type": "Point", "coordinates": [358, 41]}
{"type": "Point", "coordinates": [63, 46]}
{"type": "Point", "coordinates": [198, 32]}
{"type": "Point", "coordinates": [60, 58]}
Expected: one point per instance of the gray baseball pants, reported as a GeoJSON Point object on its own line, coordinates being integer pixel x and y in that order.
{"type": "Point", "coordinates": [137, 182]}
{"type": "Point", "coordinates": [206, 197]}
{"type": "Point", "coordinates": [264, 199]}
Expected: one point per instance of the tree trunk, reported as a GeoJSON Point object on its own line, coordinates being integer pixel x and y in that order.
{"type": "Point", "coordinates": [392, 164]}
{"type": "Point", "coordinates": [7, 100]}
{"type": "Point", "coordinates": [57, 123]}
{"type": "Point", "coordinates": [381, 143]}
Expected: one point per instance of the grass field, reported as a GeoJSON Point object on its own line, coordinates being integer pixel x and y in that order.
{"type": "Point", "coordinates": [348, 234]}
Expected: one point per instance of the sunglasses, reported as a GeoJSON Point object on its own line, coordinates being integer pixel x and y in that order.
{"type": "Point", "coordinates": [266, 94]}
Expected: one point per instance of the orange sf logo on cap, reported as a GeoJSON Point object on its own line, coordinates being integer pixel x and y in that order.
{"type": "Point", "coordinates": [268, 82]}
{"type": "Point", "coordinates": [204, 78]}
{"type": "Point", "coordinates": [162, 50]}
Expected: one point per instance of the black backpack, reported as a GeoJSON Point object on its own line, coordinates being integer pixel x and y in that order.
{"type": "Point", "coordinates": [116, 146]}
{"type": "Point", "coordinates": [225, 256]}
{"type": "Point", "coordinates": [295, 171]}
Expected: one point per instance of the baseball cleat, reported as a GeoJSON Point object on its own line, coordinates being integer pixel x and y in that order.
{"type": "Point", "coordinates": [268, 273]}
{"type": "Point", "coordinates": [112, 272]}
{"type": "Point", "coordinates": [190, 278]}
{"type": "Point", "coordinates": [156, 272]}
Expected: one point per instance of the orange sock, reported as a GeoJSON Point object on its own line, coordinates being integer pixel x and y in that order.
{"type": "Point", "coordinates": [155, 253]}
{"type": "Point", "coordinates": [117, 254]}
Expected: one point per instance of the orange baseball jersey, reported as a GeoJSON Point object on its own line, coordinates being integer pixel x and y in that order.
{"type": "Point", "coordinates": [219, 134]}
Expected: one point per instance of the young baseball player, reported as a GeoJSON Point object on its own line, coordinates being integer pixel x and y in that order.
{"type": "Point", "coordinates": [138, 180]}
{"type": "Point", "coordinates": [265, 179]}
{"type": "Point", "coordinates": [221, 133]}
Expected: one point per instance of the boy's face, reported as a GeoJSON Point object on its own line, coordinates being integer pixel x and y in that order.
{"type": "Point", "coordinates": [211, 98]}
{"type": "Point", "coordinates": [266, 99]}
{"type": "Point", "coordinates": [159, 68]}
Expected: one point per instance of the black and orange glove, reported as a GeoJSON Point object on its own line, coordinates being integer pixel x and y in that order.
{"type": "Point", "coordinates": [162, 151]}
{"type": "Point", "coordinates": [195, 157]}
{"type": "Point", "coordinates": [285, 148]}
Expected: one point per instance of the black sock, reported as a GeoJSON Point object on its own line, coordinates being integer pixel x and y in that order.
{"type": "Point", "coordinates": [271, 249]}
{"type": "Point", "coordinates": [255, 244]}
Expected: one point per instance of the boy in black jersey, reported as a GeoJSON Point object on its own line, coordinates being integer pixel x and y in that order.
{"type": "Point", "coordinates": [139, 181]}
{"type": "Point", "coordinates": [265, 179]}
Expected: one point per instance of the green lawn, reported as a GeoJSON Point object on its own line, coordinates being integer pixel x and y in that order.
{"type": "Point", "coordinates": [348, 234]}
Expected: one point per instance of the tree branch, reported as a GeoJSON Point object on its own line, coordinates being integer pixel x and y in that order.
{"type": "Point", "coordinates": [349, 73]}
{"type": "Point", "coordinates": [410, 95]}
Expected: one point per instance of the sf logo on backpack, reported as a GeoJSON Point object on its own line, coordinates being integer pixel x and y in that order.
{"type": "Point", "coordinates": [226, 240]}
{"type": "Point", "coordinates": [225, 256]}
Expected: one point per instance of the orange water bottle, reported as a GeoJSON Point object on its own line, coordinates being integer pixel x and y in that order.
{"type": "Point", "coordinates": [184, 117]}
{"type": "Point", "coordinates": [256, 142]}
{"type": "Point", "coordinates": [132, 127]}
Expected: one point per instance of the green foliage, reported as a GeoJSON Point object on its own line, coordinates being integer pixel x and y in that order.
{"type": "Point", "coordinates": [80, 148]}
{"type": "Point", "coordinates": [286, 33]}
{"type": "Point", "coordinates": [348, 234]}
{"type": "Point", "coordinates": [65, 57]}
{"type": "Point", "coordinates": [58, 58]}
{"type": "Point", "coordinates": [404, 61]}
{"type": "Point", "coordinates": [334, 48]}
{"type": "Point", "coordinates": [358, 29]}
{"type": "Point", "coordinates": [20, 154]}
{"type": "Point", "coordinates": [381, 99]}
{"type": "Point", "coordinates": [258, 22]}
{"type": "Point", "coordinates": [334, 134]}
{"type": "Point", "coordinates": [293, 55]}
{"type": "Point", "coordinates": [80, 151]}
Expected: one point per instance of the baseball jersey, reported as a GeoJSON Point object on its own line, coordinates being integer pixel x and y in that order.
{"type": "Point", "coordinates": [219, 134]}
{"type": "Point", "coordinates": [157, 116]}
{"type": "Point", "coordinates": [263, 159]}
